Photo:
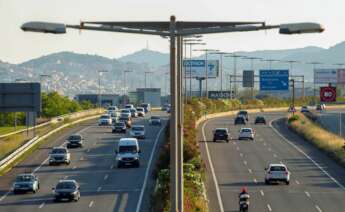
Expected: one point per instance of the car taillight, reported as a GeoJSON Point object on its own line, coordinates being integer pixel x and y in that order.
{"type": "Point", "coordinates": [286, 173]}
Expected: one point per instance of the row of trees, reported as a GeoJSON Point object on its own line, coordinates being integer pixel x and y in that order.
{"type": "Point", "coordinates": [53, 104]}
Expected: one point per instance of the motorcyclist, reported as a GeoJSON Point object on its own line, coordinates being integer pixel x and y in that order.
{"type": "Point", "coordinates": [244, 199]}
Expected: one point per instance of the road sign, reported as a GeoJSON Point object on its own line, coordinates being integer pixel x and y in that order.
{"type": "Point", "coordinates": [328, 94]}
{"type": "Point", "coordinates": [274, 80]}
{"type": "Point", "coordinates": [325, 76]}
{"type": "Point", "coordinates": [196, 68]}
{"type": "Point", "coordinates": [219, 95]}
{"type": "Point", "coordinates": [20, 97]}
{"type": "Point", "coordinates": [248, 79]}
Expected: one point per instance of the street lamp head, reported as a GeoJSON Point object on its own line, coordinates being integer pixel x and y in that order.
{"type": "Point", "coordinates": [44, 27]}
{"type": "Point", "coordinates": [300, 28]}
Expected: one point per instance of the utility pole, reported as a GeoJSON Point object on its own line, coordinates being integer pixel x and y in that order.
{"type": "Point", "coordinates": [291, 62]}
{"type": "Point", "coordinates": [99, 88]}
{"type": "Point", "coordinates": [206, 51]}
{"type": "Point", "coordinates": [293, 95]}
{"type": "Point", "coordinates": [234, 56]}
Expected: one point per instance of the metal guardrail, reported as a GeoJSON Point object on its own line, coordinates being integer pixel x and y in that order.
{"type": "Point", "coordinates": [4, 163]}
{"type": "Point", "coordinates": [55, 120]}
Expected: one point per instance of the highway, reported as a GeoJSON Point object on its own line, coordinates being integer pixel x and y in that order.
{"type": "Point", "coordinates": [330, 120]}
{"type": "Point", "coordinates": [104, 187]}
{"type": "Point", "coordinates": [317, 182]}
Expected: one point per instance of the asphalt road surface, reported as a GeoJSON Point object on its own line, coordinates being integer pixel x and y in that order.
{"type": "Point", "coordinates": [332, 121]}
{"type": "Point", "coordinates": [104, 187]}
{"type": "Point", "coordinates": [316, 184]}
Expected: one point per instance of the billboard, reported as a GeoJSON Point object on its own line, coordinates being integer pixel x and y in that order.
{"type": "Point", "coordinates": [274, 80]}
{"type": "Point", "coordinates": [341, 76]}
{"type": "Point", "coordinates": [328, 94]}
{"type": "Point", "coordinates": [20, 97]}
{"type": "Point", "coordinates": [219, 95]}
{"type": "Point", "coordinates": [248, 79]}
{"type": "Point", "coordinates": [196, 68]}
{"type": "Point", "coordinates": [325, 76]}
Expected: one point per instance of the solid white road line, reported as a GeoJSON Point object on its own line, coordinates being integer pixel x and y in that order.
{"type": "Point", "coordinates": [245, 162]}
{"type": "Point", "coordinates": [255, 181]}
{"type": "Point", "coordinates": [262, 193]}
{"type": "Point", "coordinates": [5, 195]}
{"type": "Point", "coordinates": [307, 156]}
{"type": "Point", "coordinates": [250, 171]}
{"type": "Point", "coordinates": [269, 149]}
{"type": "Point", "coordinates": [318, 208]}
{"type": "Point", "coordinates": [241, 155]}
{"type": "Point", "coordinates": [269, 207]}
{"type": "Point", "coordinates": [307, 193]}
{"type": "Point", "coordinates": [91, 204]}
{"type": "Point", "coordinates": [220, 203]}
{"type": "Point", "coordinates": [41, 205]}
{"type": "Point", "coordinates": [106, 177]}
{"type": "Point", "coordinates": [274, 155]}
{"type": "Point", "coordinates": [148, 170]}
{"type": "Point", "coordinates": [297, 182]}
{"type": "Point", "coordinates": [99, 189]}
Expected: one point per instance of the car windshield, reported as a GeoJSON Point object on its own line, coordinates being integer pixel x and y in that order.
{"type": "Point", "coordinates": [24, 178]}
{"type": "Point", "coordinates": [125, 111]}
{"type": "Point", "coordinates": [138, 128]}
{"type": "Point", "coordinates": [144, 105]}
{"type": "Point", "coordinates": [120, 124]}
{"type": "Point", "coordinates": [155, 117]}
{"type": "Point", "coordinates": [133, 110]}
{"type": "Point", "coordinates": [278, 168]}
{"type": "Point", "coordinates": [128, 106]}
{"type": "Point", "coordinates": [123, 119]}
{"type": "Point", "coordinates": [66, 185]}
{"type": "Point", "coordinates": [128, 149]}
{"type": "Point", "coordinates": [104, 117]}
{"type": "Point", "coordinates": [111, 108]}
{"type": "Point", "coordinates": [259, 118]}
{"type": "Point", "coordinates": [220, 131]}
{"type": "Point", "coordinates": [140, 109]}
{"type": "Point", "coordinates": [59, 151]}
{"type": "Point", "coordinates": [239, 118]}
{"type": "Point", "coordinates": [243, 113]}
{"type": "Point", "coordinates": [74, 137]}
{"type": "Point", "coordinates": [246, 130]}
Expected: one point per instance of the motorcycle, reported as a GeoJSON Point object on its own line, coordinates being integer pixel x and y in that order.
{"type": "Point", "coordinates": [244, 202]}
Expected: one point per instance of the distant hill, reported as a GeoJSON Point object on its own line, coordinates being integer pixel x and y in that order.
{"type": "Point", "coordinates": [153, 58]}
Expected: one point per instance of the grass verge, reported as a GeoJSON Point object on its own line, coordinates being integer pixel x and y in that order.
{"type": "Point", "coordinates": [326, 141]}
{"type": "Point", "coordinates": [5, 130]}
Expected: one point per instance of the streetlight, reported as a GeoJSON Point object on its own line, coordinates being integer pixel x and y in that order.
{"type": "Point", "coordinates": [147, 72]}
{"type": "Point", "coordinates": [125, 85]}
{"type": "Point", "coordinates": [190, 65]}
{"type": "Point", "coordinates": [221, 54]}
{"type": "Point", "coordinates": [234, 56]}
{"type": "Point", "coordinates": [174, 30]}
{"type": "Point", "coordinates": [206, 51]}
{"type": "Point", "coordinates": [293, 95]}
{"type": "Point", "coordinates": [99, 87]}
{"type": "Point", "coordinates": [314, 63]}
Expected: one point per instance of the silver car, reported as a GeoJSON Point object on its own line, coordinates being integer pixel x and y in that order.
{"type": "Point", "coordinates": [138, 131]}
{"type": "Point", "coordinates": [277, 173]}
{"type": "Point", "coordinates": [246, 133]}
{"type": "Point", "coordinates": [25, 183]}
{"type": "Point", "coordinates": [59, 155]}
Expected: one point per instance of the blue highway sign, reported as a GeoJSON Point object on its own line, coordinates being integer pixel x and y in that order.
{"type": "Point", "coordinates": [274, 80]}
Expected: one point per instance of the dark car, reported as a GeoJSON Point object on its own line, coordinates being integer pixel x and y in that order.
{"type": "Point", "coordinates": [243, 113]}
{"type": "Point", "coordinates": [260, 120]}
{"type": "Point", "coordinates": [127, 121]}
{"type": "Point", "coordinates": [75, 140]}
{"type": "Point", "coordinates": [221, 134]}
{"type": "Point", "coordinates": [67, 190]}
{"type": "Point", "coordinates": [119, 127]}
{"type": "Point", "coordinates": [240, 120]}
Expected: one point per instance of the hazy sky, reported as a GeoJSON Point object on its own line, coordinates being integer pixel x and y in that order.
{"type": "Point", "coordinates": [17, 46]}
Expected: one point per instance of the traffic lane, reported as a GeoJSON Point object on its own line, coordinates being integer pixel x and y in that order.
{"type": "Point", "coordinates": [90, 169]}
{"type": "Point", "coordinates": [296, 196]}
{"type": "Point", "coordinates": [330, 120]}
{"type": "Point", "coordinates": [253, 158]}
{"type": "Point", "coordinates": [35, 160]}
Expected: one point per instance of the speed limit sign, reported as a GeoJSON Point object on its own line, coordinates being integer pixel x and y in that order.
{"type": "Point", "coordinates": [328, 94]}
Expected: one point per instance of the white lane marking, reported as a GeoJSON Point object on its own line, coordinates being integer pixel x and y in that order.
{"type": "Point", "coordinates": [307, 156]}
{"type": "Point", "coordinates": [41, 205]}
{"type": "Point", "coordinates": [88, 150]}
{"type": "Point", "coordinates": [237, 148]}
{"type": "Point", "coordinates": [5, 195]}
{"type": "Point", "coordinates": [74, 167]}
{"type": "Point", "coordinates": [262, 193]}
{"type": "Point", "coordinates": [255, 181]}
{"type": "Point", "coordinates": [318, 208]}
{"type": "Point", "coordinates": [264, 143]}
{"type": "Point", "coordinates": [123, 202]}
{"type": "Point", "coordinates": [269, 207]}
{"type": "Point", "coordinates": [245, 162]}
{"type": "Point", "coordinates": [307, 193]}
{"type": "Point", "coordinates": [274, 155]}
{"type": "Point", "coordinates": [250, 171]}
{"type": "Point", "coordinates": [81, 158]}
{"type": "Point", "coordinates": [220, 202]}
{"type": "Point", "coordinates": [65, 177]}
{"type": "Point", "coordinates": [269, 149]}
{"type": "Point", "coordinates": [148, 170]}
{"type": "Point", "coordinates": [297, 182]}
{"type": "Point", "coordinates": [112, 166]}
{"type": "Point", "coordinates": [91, 204]}
{"type": "Point", "coordinates": [99, 189]}
{"type": "Point", "coordinates": [241, 155]}
{"type": "Point", "coordinates": [106, 177]}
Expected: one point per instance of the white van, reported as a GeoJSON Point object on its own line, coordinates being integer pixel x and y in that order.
{"type": "Point", "coordinates": [127, 153]}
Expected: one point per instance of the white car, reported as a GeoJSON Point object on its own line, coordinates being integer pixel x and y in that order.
{"type": "Point", "coordinates": [141, 111]}
{"type": "Point", "coordinates": [127, 152]}
{"type": "Point", "coordinates": [137, 131]}
{"type": "Point", "coordinates": [59, 155]}
{"type": "Point", "coordinates": [246, 133]}
{"type": "Point", "coordinates": [126, 113]}
{"type": "Point", "coordinates": [111, 109]}
{"type": "Point", "coordinates": [129, 106]}
{"type": "Point", "coordinates": [105, 119]}
{"type": "Point", "coordinates": [304, 109]}
{"type": "Point", "coordinates": [134, 113]}
{"type": "Point", "coordinates": [25, 183]}
{"type": "Point", "coordinates": [155, 120]}
{"type": "Point", "coordinates": [277, 173]}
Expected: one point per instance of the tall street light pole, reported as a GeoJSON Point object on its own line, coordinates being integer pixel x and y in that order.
{"type": "Point", "coordinates": [221, 54]}
{"type": "Point", "coordinates": [99, 88]}
{"type": "Point", "coordinates": [206, 51]}
{"type": "Point", "coordinates": [314, 63]}
{"type": "Point", "coordinates": [234, 56]}
{"type": "Point", "coordinates": [172, 29]}
{"type": "Point", "coordinates": [291, 62]}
